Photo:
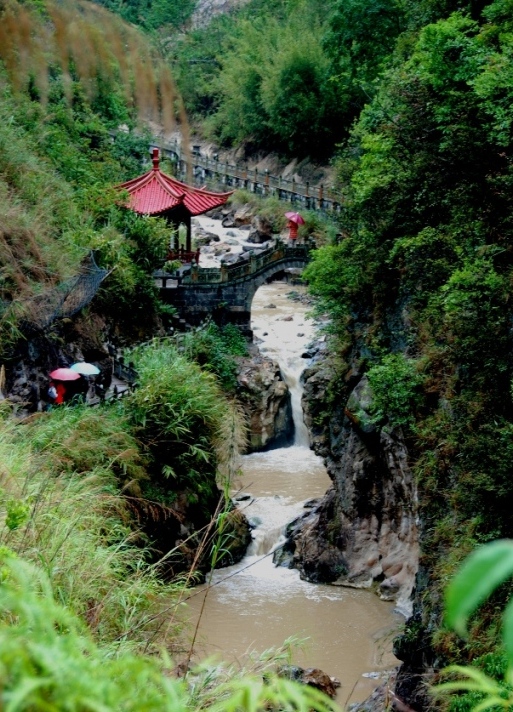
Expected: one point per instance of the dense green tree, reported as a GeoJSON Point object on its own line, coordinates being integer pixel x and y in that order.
{"type": "Point", "coordinates": [360, 38]}
{"type": "Point", "coordinates": [153, 14]}
{"type": "Point", "coordinates": [275, 86]}
{"type": "Point", "coordinates": [425, 269]}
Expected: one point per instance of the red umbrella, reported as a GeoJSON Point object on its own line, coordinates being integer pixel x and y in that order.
{"type": "Point", "coordinates": [64, 374]}
{"type": "Point", "coordinates": [296, 218]}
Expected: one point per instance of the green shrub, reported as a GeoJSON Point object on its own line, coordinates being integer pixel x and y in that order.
{"type": "Point", "coordinates": [182, 416]}
{"type": "Point", "coordinates": [395, 384]}
{"type": "Point", "coordinates": [214, 349]}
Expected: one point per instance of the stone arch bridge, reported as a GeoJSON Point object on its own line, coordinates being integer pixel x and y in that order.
{"type": "Point", "coordinates": [226, 293]}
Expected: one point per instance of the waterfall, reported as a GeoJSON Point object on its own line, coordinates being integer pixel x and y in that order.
{"type": "Point", "coordinates": [291, 370]}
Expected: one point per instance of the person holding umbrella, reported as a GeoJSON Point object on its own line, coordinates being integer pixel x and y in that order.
{"type": "Point", "coordinates": [57, 389]}
{"type": "Point", "coordinates": [294, 221]}
{"type": "Point", "coordinates": [86, 371]}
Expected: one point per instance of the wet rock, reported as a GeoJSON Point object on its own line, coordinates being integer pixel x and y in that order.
{"type": "Point", "coordinates": [263, 226]}
{"type": "Point", "coordinates": [313, 677]}
{"type": "Point", "coordinates": [221, 249]}
{"type": "Point", "coordinates": [261, 230]}
{"type": "Point", "coordinates": [364, 531]}
{"type": "Point", "coordinates": [242, 497]}
{"type": "Point", "coordinates": [382, 698]}
{"type": "Point", "coordinates": [202, 240]}
{"type": "Point", "coordinates": [244, 215]}
{"type": "Point", "coordinates": [300, 334]}
{"type": "Point", "coordinates": [218, 213]}
{"type": "Point", "coordinates": [270, 306]}
{"type": "Point", "coordinates": [229, 259]}
{"type": "Point", "coordinates": [287, 318]}
{"type": "Point", "coordinates": [237, 538]}
{"type": "Point", "coordinates": [256, 237]}
{"type": "Point", "coordinates": [228, 222]}
{"type": "Point", "coordinates": [266, 401]}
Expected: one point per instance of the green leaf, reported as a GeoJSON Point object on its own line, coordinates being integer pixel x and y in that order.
{"type": "Point", "coordinates": [483, 571]}
{"type": "Point", "coordinates": [491, 702]}
{"type": "Point", "coordinates": [507, 631]}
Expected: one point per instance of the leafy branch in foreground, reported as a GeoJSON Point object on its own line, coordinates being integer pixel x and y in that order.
{"type": "Point", "coordinates": [481, 574]}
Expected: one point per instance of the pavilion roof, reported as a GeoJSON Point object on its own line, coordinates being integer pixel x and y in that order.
{"type": "Point", "coordinates": [155, 193]}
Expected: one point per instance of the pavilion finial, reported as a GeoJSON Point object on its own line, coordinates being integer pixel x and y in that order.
{"type": "Point", "coordinates": [155, 159]}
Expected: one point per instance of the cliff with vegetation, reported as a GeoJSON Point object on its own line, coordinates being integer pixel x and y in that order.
{"type": "Point", "coordinates": [418, 291]}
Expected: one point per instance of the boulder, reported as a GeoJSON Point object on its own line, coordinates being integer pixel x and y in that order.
{"type": "Point", "coordinates": [256, 237]}
{"type": "Point", "coordinates": [202, 240]}
{"type": "Point", "coordinates": [313, 677]}
{"type": "Point", "coordinates": [244, 215]}
{"type": "Point", "coordinates": [265, 399]}
{"type": "Point", "coordinates": [229, 259]}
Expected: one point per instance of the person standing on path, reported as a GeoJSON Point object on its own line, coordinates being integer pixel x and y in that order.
{"type": "Point", "coordinates": [293, 228]}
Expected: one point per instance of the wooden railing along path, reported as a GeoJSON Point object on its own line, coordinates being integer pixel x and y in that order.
{"type": "Point", "coordinates": [221, 175]}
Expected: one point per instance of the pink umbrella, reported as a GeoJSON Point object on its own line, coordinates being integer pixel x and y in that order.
{"type": "Point", "coordinates": [64, 374]}
{"type": "Point", "coordinates": [296, 218]}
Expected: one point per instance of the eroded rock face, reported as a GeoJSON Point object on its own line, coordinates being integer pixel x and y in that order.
{"type": "Point", "coordinates": [364, 531]}
{"type": "Point", "coordinates": [266, 402]}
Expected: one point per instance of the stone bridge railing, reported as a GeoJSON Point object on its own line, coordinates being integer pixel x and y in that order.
{"type": "Point", "coordinates": [240, 270]}
{"type": "Point", "coordinates": [225, 293]}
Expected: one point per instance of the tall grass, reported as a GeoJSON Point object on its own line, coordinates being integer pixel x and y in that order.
{"type": "Point", "coordinates": [62, 508]}
{"type": "Point", "coordinates": [50, 662]}
{"type": "Point", "coordinates": [183, 416]}
{"type": "Point", "coordinates": [87, 41]}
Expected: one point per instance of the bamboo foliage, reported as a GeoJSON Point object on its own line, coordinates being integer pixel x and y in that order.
{"type": "Point", "coordinates": [86, 41]}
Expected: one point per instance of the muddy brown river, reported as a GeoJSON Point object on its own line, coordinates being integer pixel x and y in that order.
{"type": "Point", "coordinates": [255, 605]}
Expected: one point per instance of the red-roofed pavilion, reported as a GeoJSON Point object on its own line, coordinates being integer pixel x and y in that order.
{"type": "Point", "coordinates": [156, 193]}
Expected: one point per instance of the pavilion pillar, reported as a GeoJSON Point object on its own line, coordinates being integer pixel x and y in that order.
{"type": "Point", "coordinates": [188, 240]}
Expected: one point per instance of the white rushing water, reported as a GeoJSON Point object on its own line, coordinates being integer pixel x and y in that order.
{"type": "Point", "coordinates": [255, 605]}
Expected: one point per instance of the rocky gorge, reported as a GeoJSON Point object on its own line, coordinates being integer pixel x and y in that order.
{"type": "Point", "coordinates": [364, 532]}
